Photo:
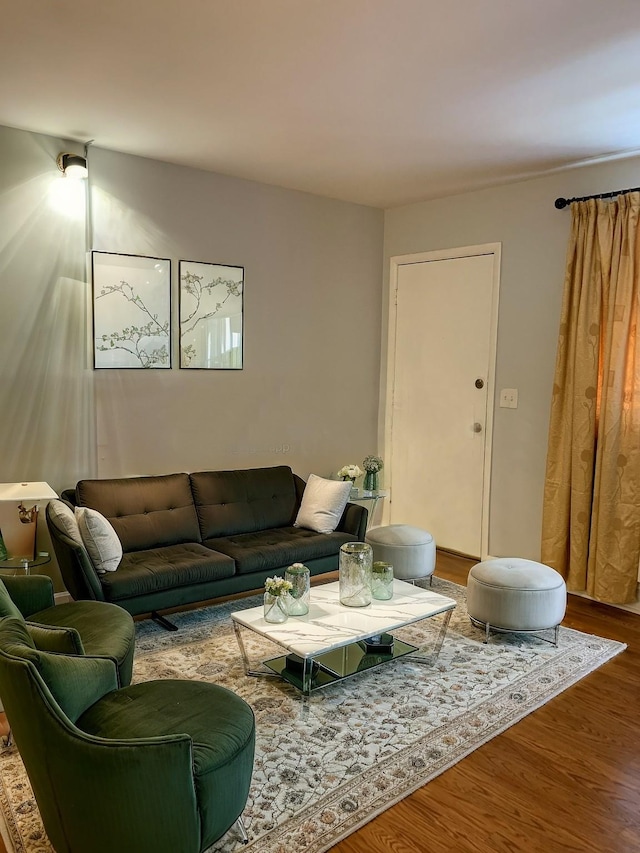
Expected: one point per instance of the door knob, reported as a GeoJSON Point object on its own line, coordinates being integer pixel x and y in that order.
{"type": "Point", "coordinates": [477, 427]}
{"type": "Point", "coordinates": [479, 383]}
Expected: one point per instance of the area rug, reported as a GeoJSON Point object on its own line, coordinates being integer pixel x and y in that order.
{"type": "Point", "coordinates": [361, 745]}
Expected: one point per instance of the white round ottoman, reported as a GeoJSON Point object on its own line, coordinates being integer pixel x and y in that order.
{"type": "Point", "coordinates": [512, 594]}
{"type": "Point", "coordinates": [410, 550]}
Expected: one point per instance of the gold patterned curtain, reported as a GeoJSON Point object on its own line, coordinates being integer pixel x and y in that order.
{"type": "Point", "coordinates": [591, 516]}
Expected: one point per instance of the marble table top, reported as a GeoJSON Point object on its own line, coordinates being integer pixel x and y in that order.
{"type": "Point", "coordinates": [330, 625]}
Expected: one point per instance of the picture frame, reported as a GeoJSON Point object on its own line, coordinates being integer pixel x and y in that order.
{"type": "Point", "coordinates": [211, 310]}
{"type": "Point", "coordinates": [131, 311]}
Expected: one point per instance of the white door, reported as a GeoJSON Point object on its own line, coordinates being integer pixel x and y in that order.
{"type": "Point", "coordinates": [441, 389]}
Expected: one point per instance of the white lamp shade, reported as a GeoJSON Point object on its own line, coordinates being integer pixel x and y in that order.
{"type": "Point", "coordinates": [26, 492]}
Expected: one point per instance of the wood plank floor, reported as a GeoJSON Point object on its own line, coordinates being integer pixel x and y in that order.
{"type": "Point", "coordinates": [566, 778]}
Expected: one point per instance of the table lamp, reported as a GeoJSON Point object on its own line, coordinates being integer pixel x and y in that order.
{"type": "Point", "coordinates": [19, 518]}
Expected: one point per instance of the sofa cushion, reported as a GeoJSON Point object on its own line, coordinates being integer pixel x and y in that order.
{"type": "Point", "coordinates": [271, 549]}
{"type": "Point", "coordinates": [159, 569]}
{"type": "Point", "coordinates": [146, 512]}
{"type": "Point", "coordinates": [323, 503]}
{"type": "Point", "coordinates": [100, 539]}
{"type": "Point", "coordinates": [59, 514]}
{"type": "Point", "coordinates": [231, 502]}
{"type": "Point", "coordinates": [51, 638]}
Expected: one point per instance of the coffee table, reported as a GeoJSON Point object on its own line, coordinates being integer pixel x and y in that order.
{"type": "Point", "coordinates": [333, 642]}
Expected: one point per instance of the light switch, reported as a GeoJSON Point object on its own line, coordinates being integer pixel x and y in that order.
{"type": "Point", "coordinates": [509, 398]}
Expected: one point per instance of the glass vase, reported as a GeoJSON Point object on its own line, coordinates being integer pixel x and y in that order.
{"type": "Point", "coordinates": [275, 608]}
{"type": "Point", "coordinates": [355, 574]}
{"type": "Point", "coordinates": [299, 577]}
{"type": "Point", "coordinates": [382, 581]}
{"type": "Point", "coordinates": [371, 481]}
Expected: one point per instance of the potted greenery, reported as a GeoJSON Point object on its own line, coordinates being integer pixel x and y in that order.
{"type": "Point", "coordinates": [372, 466]}
{"type": "Point", "coordinates": [276, 594]}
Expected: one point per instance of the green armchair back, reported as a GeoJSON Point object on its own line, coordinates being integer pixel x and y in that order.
{"type": "Point", "coordinates": [157, 767]}
{"type": "Point", "coordinates": [78, 627]}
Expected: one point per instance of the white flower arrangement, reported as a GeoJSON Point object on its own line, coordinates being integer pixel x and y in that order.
{"type": "Point", "coordinates": [372, 464]}
{"type": "Point", "coordinates": [277, 586]}
{"type": "Point", "coordinates": [349, 472]}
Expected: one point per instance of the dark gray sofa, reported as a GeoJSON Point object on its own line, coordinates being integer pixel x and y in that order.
{"type": "Point", "coordinates": [191, 537]}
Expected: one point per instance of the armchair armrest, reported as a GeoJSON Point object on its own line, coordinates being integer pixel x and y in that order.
{"type": "Point", "coordinates": [30, 593]}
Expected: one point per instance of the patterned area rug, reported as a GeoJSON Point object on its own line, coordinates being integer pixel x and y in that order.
{"type": "Point", "coordinates": [361, 745]}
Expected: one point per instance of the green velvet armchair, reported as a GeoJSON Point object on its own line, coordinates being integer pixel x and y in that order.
{"type": "Point", "coordinates": [157, 767]}
{"type": "Point", "coordinates": [78, 627]}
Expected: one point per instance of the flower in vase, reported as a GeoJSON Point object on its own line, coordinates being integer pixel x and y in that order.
{"type": "Point", "coordinates": [277, 586]}
{"type": "Point", "coordinates": [349, 472]}
{"type": "Point", "coordinates": [372, 464]}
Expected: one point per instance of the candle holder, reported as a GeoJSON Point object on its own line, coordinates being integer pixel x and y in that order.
{"type": "Point", "coordinates": [299, 577]}
{"type": "Point", "coordinates": [382, 581]}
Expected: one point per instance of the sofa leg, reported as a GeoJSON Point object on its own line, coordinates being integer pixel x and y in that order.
{"type": "Point", "coordinates": [168, 626]}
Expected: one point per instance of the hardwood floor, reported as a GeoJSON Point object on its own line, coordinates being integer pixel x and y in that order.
{"type": "Point", "coordinates": [566, 778]}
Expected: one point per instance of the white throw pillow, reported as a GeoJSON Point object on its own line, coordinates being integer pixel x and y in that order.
{"type": "Point", "coordinates": [323, 502]}
{"type": "Point", "coordinates": [100, 539]}
{"type": "Point", "coordinates": [65, 521]}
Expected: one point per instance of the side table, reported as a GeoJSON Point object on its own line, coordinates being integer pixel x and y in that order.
{"type": "Point", "coordinates": [24, 564]}
{"type": "Point", "coordinates": [362, 495]}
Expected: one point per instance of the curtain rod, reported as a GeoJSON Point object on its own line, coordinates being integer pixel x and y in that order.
{"type": "Point", "coordinates": [561, 203]}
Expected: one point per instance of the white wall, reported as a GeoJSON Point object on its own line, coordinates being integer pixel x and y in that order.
{"type": "Point", "coordinates": [534, 238]}
{"type": "Point", "coordinates": [308, 393]}
{"type": "Point", "coordinates": [314, 308]}
{"type": "Point", "coordinates": [46, 408]}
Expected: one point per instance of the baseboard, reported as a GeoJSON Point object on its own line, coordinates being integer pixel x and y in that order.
{"type": "Point", "coordinates": [634, 607]}
{"type": "Point", "coordinates": [62, 597]}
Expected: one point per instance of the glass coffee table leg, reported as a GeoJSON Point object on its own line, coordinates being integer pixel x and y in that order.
{"type": "Point", "coordinates": [245, 658]}
{"type": "Point", "coordinates": [307, 673]}
{"type": "Point", "coordinates": [430, 658]}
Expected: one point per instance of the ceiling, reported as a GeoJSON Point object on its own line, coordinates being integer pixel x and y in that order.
{"type": "Point", "coordinates": [381, 102]}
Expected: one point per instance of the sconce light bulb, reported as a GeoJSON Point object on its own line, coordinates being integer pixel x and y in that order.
{"type": "Point", "coordinates": [72, 165]}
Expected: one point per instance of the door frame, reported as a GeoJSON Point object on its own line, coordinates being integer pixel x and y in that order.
{"type": "Point", "coordinates": [396, 262]}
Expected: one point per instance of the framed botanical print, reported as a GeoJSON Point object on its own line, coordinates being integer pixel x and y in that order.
{"type": "Point", "coordinates": [131, 311]}
{"type": "Point", "coordinates": [211, 316]}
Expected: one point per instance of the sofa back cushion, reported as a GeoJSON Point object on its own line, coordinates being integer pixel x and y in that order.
{"type": "Point", "coordinates": [232, 502]}
{"type": "Point", "coordinates": [146, 512]}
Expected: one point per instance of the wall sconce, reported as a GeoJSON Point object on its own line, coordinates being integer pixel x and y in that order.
{"type": "Point", "coordinates": [72, 165]}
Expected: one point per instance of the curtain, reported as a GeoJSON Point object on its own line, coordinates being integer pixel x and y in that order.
{"type": "Point", "coordinates": [591, 514]}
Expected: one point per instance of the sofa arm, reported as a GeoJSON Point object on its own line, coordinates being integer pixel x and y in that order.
{"type": "Point", "coordinates": [30, 593]}
{"type": "Point", "coordinates": [354, 521]}
{"type": "Point", "coordinates": [78, 573]}
{"type": "Point", "coordinates": [69, 497]}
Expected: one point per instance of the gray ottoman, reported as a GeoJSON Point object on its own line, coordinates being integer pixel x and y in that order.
{"type": "Point", "coordinates": [410, 550]}
{"type": "Point", "coordinates": [512, 594]}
